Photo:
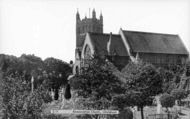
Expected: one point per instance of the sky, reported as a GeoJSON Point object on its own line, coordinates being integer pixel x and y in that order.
{"type": "Point", "coordinates": [46, 28]}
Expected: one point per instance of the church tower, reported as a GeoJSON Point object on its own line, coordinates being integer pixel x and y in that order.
{"type": "Point", "coordinates": [85, 25]}
{"type": "Point", "coordinates": [91, 24]}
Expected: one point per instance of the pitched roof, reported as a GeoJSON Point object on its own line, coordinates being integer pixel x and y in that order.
{"type": "Point", "coordinates": [155, 43]}
{"type": "Point", "coordinates": [117, 46]}
{"type": "Point", "coordinates": [100, 42]}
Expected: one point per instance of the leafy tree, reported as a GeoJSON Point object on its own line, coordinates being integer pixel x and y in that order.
{"type": "Point", "coordinates": [179, 94]}
{"type": "Point", "coordinates": [143, 82]}
{"type": "Point", "coordinates": [96, 85]}
{"type": "Point", "coordinates": [58, 72]}
{"type": "Point", "coordinates": [169, 80]}
{"type": "Point", "coordinates": [126, 114]}
{"type": "Point", "coordinates": [187, 73]}
{"type": "Point", "coordinates": [167, 101]}
{"type": "Point", "coordinates": [18, 100]}
{"type": "Point", "coordinates": [6, 61]}
{"type": "Point", "coordinates": [31, 65]}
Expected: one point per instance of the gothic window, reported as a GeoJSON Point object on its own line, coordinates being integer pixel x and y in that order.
{"type": "Point", "coordinates": [87, 52]}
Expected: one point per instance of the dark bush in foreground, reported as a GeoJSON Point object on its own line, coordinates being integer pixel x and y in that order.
{"type": "Point", "coordinates": [54, 117]}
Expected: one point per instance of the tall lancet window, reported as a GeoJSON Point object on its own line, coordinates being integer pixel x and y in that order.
{"type": "Point", "coordinates": [87, 52]}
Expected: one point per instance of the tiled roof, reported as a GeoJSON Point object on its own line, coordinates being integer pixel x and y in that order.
{"type": "Point", "coordinates": [155, 43]}
{"type": "Point", "coordinates": [100, 41]}
{"type": "Point", "coordinates": [117, 46]}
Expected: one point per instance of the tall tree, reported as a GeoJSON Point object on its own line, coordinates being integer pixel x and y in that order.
{"type": "Point", "coordinates": [18, 100]}
{"type": "Point", "coordinates": [96, 85]}
{"type": "Point", "coordinates": [143, 82]}
{"type": "Point", "coordinates": [58, 72]}
{"type": "Point", "coordinates": [178, 95]}
{"type": "Point", "coordinates": [167, 101]}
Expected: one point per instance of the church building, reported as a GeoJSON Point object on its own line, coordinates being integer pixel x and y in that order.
{"type": "Point", "coordinates": [156, 48]}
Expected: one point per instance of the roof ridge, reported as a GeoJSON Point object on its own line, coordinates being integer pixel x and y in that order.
{"type": "Point", "coordinates": [146, 32]}
{"type": "Point", "coordinates": [103, 33]}
{"type": "Point", "coordinates": [155, 42]}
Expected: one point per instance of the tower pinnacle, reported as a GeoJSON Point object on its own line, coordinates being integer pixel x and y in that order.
{"type": "Point", "coordinates": [77, 15]}
{"type": "Point", "coordinates": [101, 17]}
{"type": "Point", "coordinates": [93, 13]}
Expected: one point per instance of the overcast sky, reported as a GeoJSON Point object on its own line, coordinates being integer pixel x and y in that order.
{"type": "Point", "coordinates": [46, 28]}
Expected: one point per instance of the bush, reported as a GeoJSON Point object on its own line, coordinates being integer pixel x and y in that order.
{"type": "Point", "coordinates": [179, 94]}
{"type": "Point", "coordinates": [19, 102]}
{"type": "Point", "coordinates": [126, 114]}
{"type": "Point", "coordinates": [167, 100]}
{"type": "Point", "coordinates": [52, 116]}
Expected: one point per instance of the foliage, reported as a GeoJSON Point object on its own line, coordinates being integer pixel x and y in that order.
{"type": "Point", "coordinates": [169, 80]}
{"type": "Point", "coordinates": [52, 71]}
{"type": "Point", "coordinates": [175, 76]}
{"type": "Point", "coordinates": [58, 67]}
{"type": "Point", "coordinates": [54, 117]}
{"type": "Point", "coordinates": [167, 100]}
{"type": "Point", "coordinates": [16, 72]}
{"type": "Point", "coordinates": [58, 72]}
{"type": "Point", "coordinates": [187, 73]}
{"type": "Point", "coordinates": [121, 101]}
{"type": "Point", "coordinates": [126, 114]}
{"type": "Point", "coordinates": [179, 94]}
{"type": "Point", "coordinates": [143, 82]}
{"type": "Point", "coordinates": [19, 102]}
{"type": "Point", "coordinates": [177, 69]}
{"type": "Point", "coordinates": [96, 85]}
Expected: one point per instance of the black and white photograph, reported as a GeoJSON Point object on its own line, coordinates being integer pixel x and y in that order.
{"type": "Point", "coordinates": [94, 59]}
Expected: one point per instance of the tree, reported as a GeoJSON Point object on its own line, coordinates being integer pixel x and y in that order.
{"type": "Point", "coordinates": [179, 94]}
{"type": "Point", "coordinates": [187, 73]}
{"type": "Point", "coordinates": [96, 85]}
{"type": "Point", "coordinates": [167, 101]}
{"type": "Point", "coordinates": [31, 65]}
{"type": "Point", "coordinates": [16, 73]}
{"type": "Point", "coordinates": [58, 72]}
{"type": "Point", "coordinates": [126, 114]}
{"type": "Point", "coordinates": [168, 80]}
{"type": "Point", "coordinates": [18, 100]}
{"type": "Point", "coordinates": [143, 82]}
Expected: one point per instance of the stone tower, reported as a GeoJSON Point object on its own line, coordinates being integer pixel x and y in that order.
{"type": "Point", "coordinates": [87, 25]}
{"type": "Point", "coordinates": [91, 24]}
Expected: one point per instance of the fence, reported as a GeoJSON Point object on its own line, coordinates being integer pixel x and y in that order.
{"type": "Point", "coordinates": [162, 116]}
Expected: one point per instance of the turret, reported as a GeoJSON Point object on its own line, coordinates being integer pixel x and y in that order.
{"type": "Point", "coordinates": [77, 16]}
{"type": "Point", "coordinates": [93, 14]}
{"type": "Point", "coordinates": [101, 18]}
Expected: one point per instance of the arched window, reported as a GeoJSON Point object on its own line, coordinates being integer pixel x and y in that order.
{"type": "Point", "coordinates": [87, 52]}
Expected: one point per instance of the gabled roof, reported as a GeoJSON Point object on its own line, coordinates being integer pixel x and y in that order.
{"type": "Point", "coordinates": [154, 42]}
{"type": "Point", "coordinates": [100, 42]}
{"type": "Point", "coordinates": [117, 46]}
